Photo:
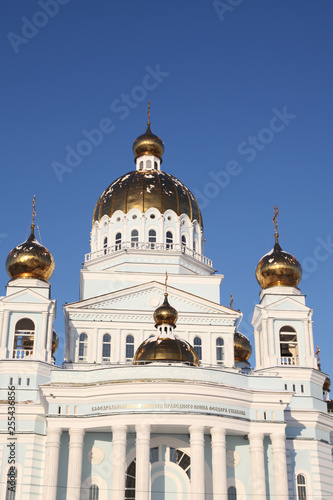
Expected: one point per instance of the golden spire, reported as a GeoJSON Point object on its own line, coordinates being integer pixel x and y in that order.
{"type": "Point", "coordinates": [166, 283]}
{"type": "Point", "coordinates": [276, 213]}
{"type": "Point", "coordinates": [231, 301]}
{"type": "Point", "coordinates": [33, 213]}
{"type": "Point", "coordinates": [148, 122]}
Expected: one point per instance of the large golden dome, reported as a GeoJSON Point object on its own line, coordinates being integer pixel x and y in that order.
{"type": "Point", "coordinates": [242, 347]}
{"type": "Point", "coordinates": [30, 260]}
{"type": "Point", "coordinates": [144, 190]}
{"type": "Point", "coordinates": [278, 268]}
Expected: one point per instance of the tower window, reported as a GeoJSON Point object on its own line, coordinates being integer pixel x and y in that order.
{"type": "Point", "coordinates": [195, 247]}
{"type": "Point", "coordinates": [106, 354]}
{"type": "Point", "coordinates": [105, 245]}
{"type": "Point", "coordinates": [232, 493]}
{"type": "Point", "coordinates": [83, 347]}
{"type": "Point", "coordinates": [301, 487]}
{"type": "Point", "coordinates": [169, 240]}
{"type": "Point", "coordinates": [197, 344]}
{"type": "Point", "coordinates": [24, 339]}
{"type": "Point", "coordinates": [93, 492]}
{"type": "Point", "coordinates": [219, 351]}
{"type": "Point", "coordinates": [148, 164]}
{"type": "Point", "coordinates": [129, 347]}
{"type": "Point", "coordinates": [118, 241]}
{"type": "Point", "coordinates": [184, 242]}
{"type": "Point", "coordinates": [141, 165]}
{"type": "Point", "coordinates": [134, 238]}
{"type": "Point", "coordinates": [288, 346]}
{"type": "Point", "coordinates": [152, 238]}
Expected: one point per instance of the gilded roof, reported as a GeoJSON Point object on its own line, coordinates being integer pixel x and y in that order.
{"type": "Point", "coordinates": [144, 190]}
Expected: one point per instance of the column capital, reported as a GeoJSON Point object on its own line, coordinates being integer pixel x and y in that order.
{"type": "Point", "coordinates": [142, 432]}
{"type": "Point", "coordinates": [218, 431]}
{"type": "Point", "coordinates": [76, 435]}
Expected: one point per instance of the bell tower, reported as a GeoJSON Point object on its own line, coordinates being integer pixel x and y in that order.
{"type": "Point", "coordinates": [27, 312]}
{"type": "Point", "coordinates": [282, 322]}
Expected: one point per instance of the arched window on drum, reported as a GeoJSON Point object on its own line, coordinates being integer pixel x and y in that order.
{"type": "Point", "coordinates": [83, 347]}
{"type": "Point", "coordinates": [129, 347]}
{"type": "Point", "coordinates": [197, 344]}
{"type": "Point", "coordinates": [106, 352]}
{"type": "Point", "coordinates": [219, 351]}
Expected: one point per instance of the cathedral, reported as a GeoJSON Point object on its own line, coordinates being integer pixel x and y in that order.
{"type": "Point", "coordinates": [156, 398]}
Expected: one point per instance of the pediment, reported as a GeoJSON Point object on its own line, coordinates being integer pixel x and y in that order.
{"type": "Point", "coordinates": [149, 296]}
{"type": "Point", "coordinates": [26, 296]}
{"type": "Point", "coordinates": [287, 304]}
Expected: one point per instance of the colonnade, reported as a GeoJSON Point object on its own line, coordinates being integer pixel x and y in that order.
{"type": "Point", "coordinates": [142, 485]}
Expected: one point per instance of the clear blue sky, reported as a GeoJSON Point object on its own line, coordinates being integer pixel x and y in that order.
{"type": "Point", "coordinates": [223, 74]}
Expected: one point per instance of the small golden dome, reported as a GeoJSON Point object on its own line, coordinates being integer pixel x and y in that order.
{"type": "Point", "coordinates": [167, 349]}
{"type": "Point", "coordinates": [30, 260]}
{"type": "Point", "coordinates": [165, 314]}
{"type": "Point", "coordinates": [148, 144]}
{"type": "Point", "coordinates": [327, 384]}
{"type": "Point", "coordinates": [55, 341]}
{"type": "Point", "coordinates": [278, 268]}
{"type": "Point", "coordinates": [242, 347]}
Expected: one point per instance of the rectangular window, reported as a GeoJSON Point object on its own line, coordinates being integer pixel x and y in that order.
{"type": "Point", "coordinates": [265, 415]}
{"type": "Point", "coordinates": [59, 410]}
{"type": "Point", "coordinates": [28, 381]}
{"type": "Point", "coordinates": [294, 387]}
{"type": "Point", "coordinates": [19, 381]}
{"type": "Point", "coordinates": [285, 387]}
{"type": "Point", "coordinates": [302, 388]}
{"type": "Point", "coordinates": [11, 381]}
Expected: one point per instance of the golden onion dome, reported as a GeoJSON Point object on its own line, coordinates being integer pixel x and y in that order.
{"type": "Point", "coordinates": [30, 259]}
{"type": "Point", "coordinates": [242, 347]}
{"type": "Point", "coordinates": [278, 268]}
{"type": "Point", "coordinates": [165, 314]}
{"type": "Point", "coordinates": [55, 341]}
{"type": "Point", "coordinates": [148, 144]}
{"type": "Point", "coordinates": [167, 349]}
{"type": "Point", "coordinates": [144, 189]}
{"type": "Point", "coordinates": [327, 384]}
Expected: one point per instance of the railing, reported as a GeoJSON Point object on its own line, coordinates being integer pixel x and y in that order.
{"type": "Point", "coordinates": [157, 247]}
{"type": "Point", "coordinates": [290, 361]}
{"type": "Point", "coordinates": [21, 353]}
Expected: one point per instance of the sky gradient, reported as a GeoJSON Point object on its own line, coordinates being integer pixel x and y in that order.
{"type": "Point", "coordinates": [241, 95]}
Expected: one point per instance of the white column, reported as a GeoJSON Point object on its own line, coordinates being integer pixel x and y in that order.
{"type": "Point", "coordinates": [75, 464]}
{"type": "Point", "coordinates": [197, 443]}
{"type": "Point", "coordinates": [160, 237]}
{"type": "Point", "coordinates": [271, 341]}
{"type": "Point", "coordinates": [49, 336]}
{"type": "Point", "coordinates": [125, 236]}
{"type": "Point", "coordinates": [142, 478]}
{"type": "Point", "coordinates": [118, 462]}
{"type": "Point", "coordinates": [42, 339]}
{"type": "Point", "coordinates": [143, 238]}
{"type": "Point", "coordinates": [220, 490]}
{"type": "Point", "coordinates": [257, 466]}
{"type": "Point", "coordinates": [280, 466]}
{"type": "Point", "coordinates": [177, 235]}
{"type": "Point", "coordinates": [265, 360]}
{"type": "Point", "coordinates": [51, 463]}
{"type": "Point", "coordinates": [5, 335]}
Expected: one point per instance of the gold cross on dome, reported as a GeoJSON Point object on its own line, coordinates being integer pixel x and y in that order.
{"type": "Point", "coordinates": [276, 213]}
{"type": "Point", "coordinates": [33, 210]}
{"type": "Point", "coordinates": [318, 358]}
{"type": "Point", "coordinates": [231, 301]}
{"type": "Point", "coordinates": [166, 282]}
{"type": "Point", "coordinates": [148, 123]}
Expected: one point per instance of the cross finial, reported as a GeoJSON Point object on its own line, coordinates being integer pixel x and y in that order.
{"type": "Point", "coordinates": [231, 301]}
{"type": "Point", "coordinates": [276, 213]}
{"type": "Point", "coordinates": [148, 122]}
{"type": "Point", "coordinates": [318, 358]}
{"type": "Point", "coordinates": [166, 283]}
{"type": "Point", "coordinates": [33, 212]}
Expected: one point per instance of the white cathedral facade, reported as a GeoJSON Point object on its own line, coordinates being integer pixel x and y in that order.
{"type": "Point", "coordinates": [156, 399]}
